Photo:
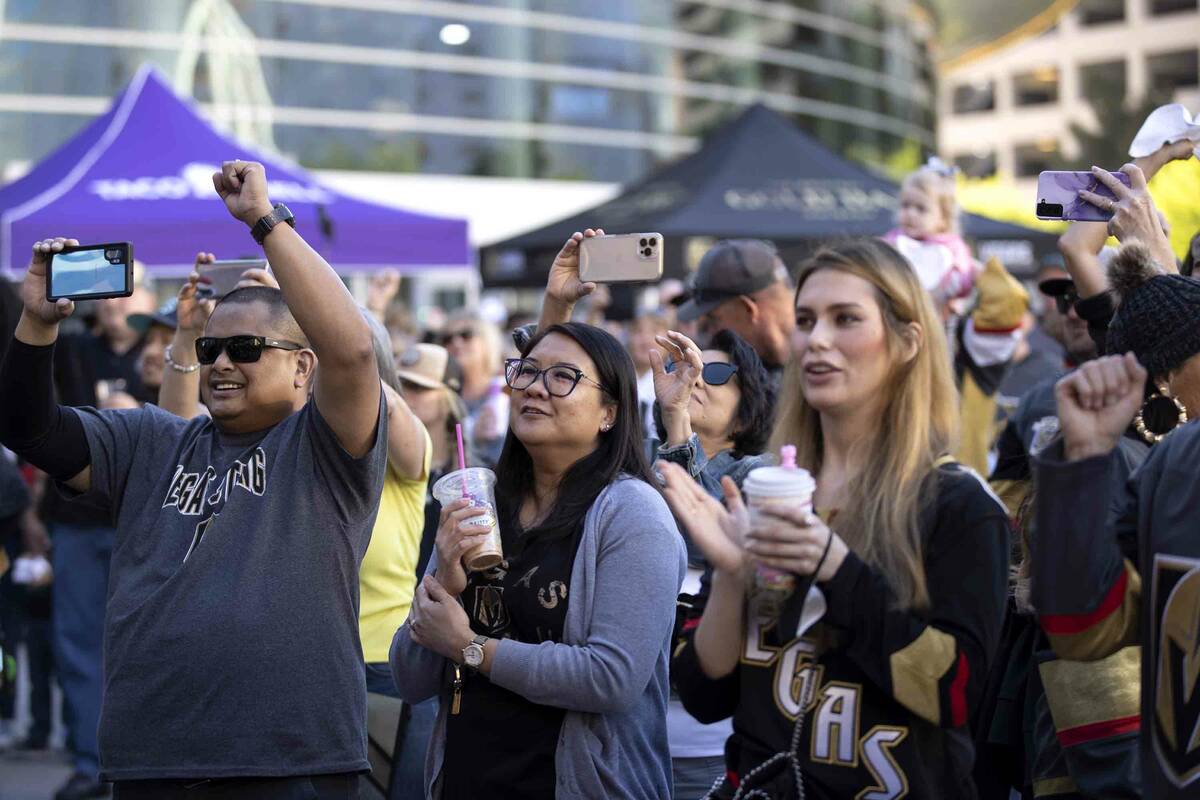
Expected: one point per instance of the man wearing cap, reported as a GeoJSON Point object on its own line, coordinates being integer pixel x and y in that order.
{"type": "Point", "coordinates": [742, 285]}
{"type": "Point", "coordinates": [156, 329]}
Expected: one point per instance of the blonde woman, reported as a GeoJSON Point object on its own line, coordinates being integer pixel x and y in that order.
{"type": "Point", "coordinates": [477, 347]}
{"type": "Point", "coordinates": [909, 552]}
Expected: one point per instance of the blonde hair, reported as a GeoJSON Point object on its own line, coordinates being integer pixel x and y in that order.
{"type": "Point", "coordinates": [493, 346]}
{"type": "Point", "coordinates": [941, 190]}
{"type": "Point", "coordinates": [879, 517]}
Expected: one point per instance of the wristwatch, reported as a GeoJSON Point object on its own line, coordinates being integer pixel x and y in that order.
{"type": "Point", "coordinates": [473, 653]}
{"type": "Point", "coordinates": [280, 213]}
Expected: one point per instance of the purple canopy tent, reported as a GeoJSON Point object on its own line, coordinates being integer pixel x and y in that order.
{"type": "Point", "coordinates": [141, 172]}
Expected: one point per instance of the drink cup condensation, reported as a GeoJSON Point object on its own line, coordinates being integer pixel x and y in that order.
{"type": "Point", "coordinates": [479, 486]}
{"type": "Point", "coordinates": [785, 486]}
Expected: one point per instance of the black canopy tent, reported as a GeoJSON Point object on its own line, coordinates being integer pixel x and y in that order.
{"type": "Point", "coordinates": [757, 176]}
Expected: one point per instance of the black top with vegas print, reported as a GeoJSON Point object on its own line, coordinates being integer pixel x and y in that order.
{"type": "Point", "coordinates": [889, 700]}
{"type": "Point", "coordinates": [501, 745]}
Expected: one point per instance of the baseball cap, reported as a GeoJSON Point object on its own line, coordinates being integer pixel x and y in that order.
{"type": "Point", "coordinates": [165, 315]}
{"type": "Point", "coordinates": [731, 268]}
{"type": "Point", "coordinates": [430, 366]}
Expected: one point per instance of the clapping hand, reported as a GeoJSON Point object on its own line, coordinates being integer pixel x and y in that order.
{"type": "Point", "coordinates": [718, 530]}
{"type": "Point", "coordinates": [1097, 402]}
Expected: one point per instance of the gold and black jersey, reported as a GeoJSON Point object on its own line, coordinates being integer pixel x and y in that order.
{"type": "Point", "coordinates": [1123, 568]}
{"type": "Point", "coordinates": [886, 694]}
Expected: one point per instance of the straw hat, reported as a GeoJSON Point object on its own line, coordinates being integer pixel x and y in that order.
{"type": "Point", "coordinates": [430, 366]}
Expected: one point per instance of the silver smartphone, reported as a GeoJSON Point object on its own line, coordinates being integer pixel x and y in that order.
{"type": "Point", "coordinates": [221, 277]}
{"type": "Point", "coordinates": [621, 258]}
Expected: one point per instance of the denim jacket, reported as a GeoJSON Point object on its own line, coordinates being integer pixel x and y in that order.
{"type": "Point", "coordinates": [706, 471]}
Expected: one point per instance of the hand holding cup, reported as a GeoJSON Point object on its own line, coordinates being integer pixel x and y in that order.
{"type": "Point", "coordinates": [457, 534]}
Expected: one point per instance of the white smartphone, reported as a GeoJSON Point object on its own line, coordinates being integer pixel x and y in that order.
{"type": "Point", "coordinates": [219, 278]}
{"type": "Point", "coordinates": [621, 258]}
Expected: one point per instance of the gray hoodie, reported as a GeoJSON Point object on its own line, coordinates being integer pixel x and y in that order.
{"type": "Point", "coordinates": [609, 672]}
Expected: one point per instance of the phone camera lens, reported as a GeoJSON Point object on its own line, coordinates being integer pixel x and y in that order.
{"type": "Point", "coordinates": [647, 252]}
{"type": "Point", "coordinates": [642, 242]}
{"type": "Point", "coordinates": [653, 241]}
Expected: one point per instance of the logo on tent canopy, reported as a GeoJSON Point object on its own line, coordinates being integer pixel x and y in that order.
{"type": "Point", "coordinates": [195, 181]}
{"type": "Point", "coordinates": [814, 199]}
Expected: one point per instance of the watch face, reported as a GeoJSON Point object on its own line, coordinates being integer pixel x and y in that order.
{"type": "Point", "coordinates": [473, 655]}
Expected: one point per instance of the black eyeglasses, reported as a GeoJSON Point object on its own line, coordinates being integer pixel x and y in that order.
{"type": "Point", "coordinates": [1066, 300]}
{"type": "Point", "coordinates": [559, 379]}
{"type": "Point", "coordinates": [466, 334]}
{"type": "Point", "coordinates": [241, 349]}
{"type": "Point", "coordinates": [715, 373]}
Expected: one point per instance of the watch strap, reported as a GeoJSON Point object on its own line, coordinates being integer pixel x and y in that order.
{"type": "Point", "coordinates": [480, 640]}
{"type": "Point", "coordinates": [266, 224]}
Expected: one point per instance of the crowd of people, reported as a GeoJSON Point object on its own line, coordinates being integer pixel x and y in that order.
{"type": "Point", "coordinates": [221, 538]}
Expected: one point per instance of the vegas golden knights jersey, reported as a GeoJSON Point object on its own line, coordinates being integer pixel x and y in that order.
{"type": "Point", "coordinates": [1123, 568]}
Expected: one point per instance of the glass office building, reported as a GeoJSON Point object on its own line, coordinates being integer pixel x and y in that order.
{"type": "Point", "coordinates": [562, 89]}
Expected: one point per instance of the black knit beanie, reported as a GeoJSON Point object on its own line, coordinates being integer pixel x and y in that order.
{"type": "Point", "coordinates": [1159, 314]}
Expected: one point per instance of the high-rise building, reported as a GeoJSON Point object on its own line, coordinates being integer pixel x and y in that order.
{"type": "Point", "coordinates": [1007, 108]}
{"type": "Point", "coordinates": [561, 89]}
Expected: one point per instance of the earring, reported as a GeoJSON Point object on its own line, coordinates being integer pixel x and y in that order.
{"type": "Point", "coordinates": [1159, 406]}
{"type": "Point", "coordinates": [605, 428]}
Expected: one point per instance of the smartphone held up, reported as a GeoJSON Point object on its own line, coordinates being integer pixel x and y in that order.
{"type": "Point", "coordinates": [219, 278]}
{"type": "Point", "coordinates": [90, 272]}
{"type": "Point", "coordinates": [621, 258]}
{"type": "Point", "coordinates": [1058, 196]}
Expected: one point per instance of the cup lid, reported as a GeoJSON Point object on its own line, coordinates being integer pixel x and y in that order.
{"type": "Point", "coordinates": [779, 482]}
{"type": "Point", "coordinates": [451, 484]}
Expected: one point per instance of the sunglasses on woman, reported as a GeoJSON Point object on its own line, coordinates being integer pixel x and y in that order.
{"type": "Point", "coordinates": [241, 349]}
{"type": "Point", "coordinates": [715, 373]}
{"type": "Point", "coordinates": [466, 334]}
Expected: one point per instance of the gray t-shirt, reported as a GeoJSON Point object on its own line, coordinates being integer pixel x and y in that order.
{"type": "Point", "coordinates": [231, 632]}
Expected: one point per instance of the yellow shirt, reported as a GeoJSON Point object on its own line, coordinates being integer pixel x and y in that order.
{"type": "Point", "coordinates": [387, 578]}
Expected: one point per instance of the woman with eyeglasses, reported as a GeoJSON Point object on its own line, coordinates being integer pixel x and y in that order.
{"type": "Point", "coordinates": [908, 551]}
{"type": "Point", "coordinates": [571, 634]}
{"type": "Point", "coordinates": [475, 344]}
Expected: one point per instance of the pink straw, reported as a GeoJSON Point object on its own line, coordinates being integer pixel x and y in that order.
{"type": "Point", "coordinates": [462, 456]}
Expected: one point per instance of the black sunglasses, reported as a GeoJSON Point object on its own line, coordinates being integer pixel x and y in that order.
{"type": "Point", "coordinates": [466, 334]}
{"type": "Point", "coordinates": [241, 349]}
{"type": "Point", "coordinates": [1065, 301]}
{"type": "Point", "coordinates": [715, 373]}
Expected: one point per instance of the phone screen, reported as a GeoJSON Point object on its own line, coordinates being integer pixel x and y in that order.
{"type": "Point", "coordinates": [98, 272]}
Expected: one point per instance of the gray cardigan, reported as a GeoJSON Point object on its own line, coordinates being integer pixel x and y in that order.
{"type": "Point", "coordinates": [609, 672]}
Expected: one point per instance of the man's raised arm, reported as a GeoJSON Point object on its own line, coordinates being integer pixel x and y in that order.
{"type": "Point", "coordinates": [32, 424]}
{"type": "Point", "coordinates": [347, 390]}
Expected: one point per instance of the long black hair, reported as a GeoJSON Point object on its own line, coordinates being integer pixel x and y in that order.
{"type": "Point", "coordinates": [620, 450]}
{"type": "Point", "coordinates": [755, 413]}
